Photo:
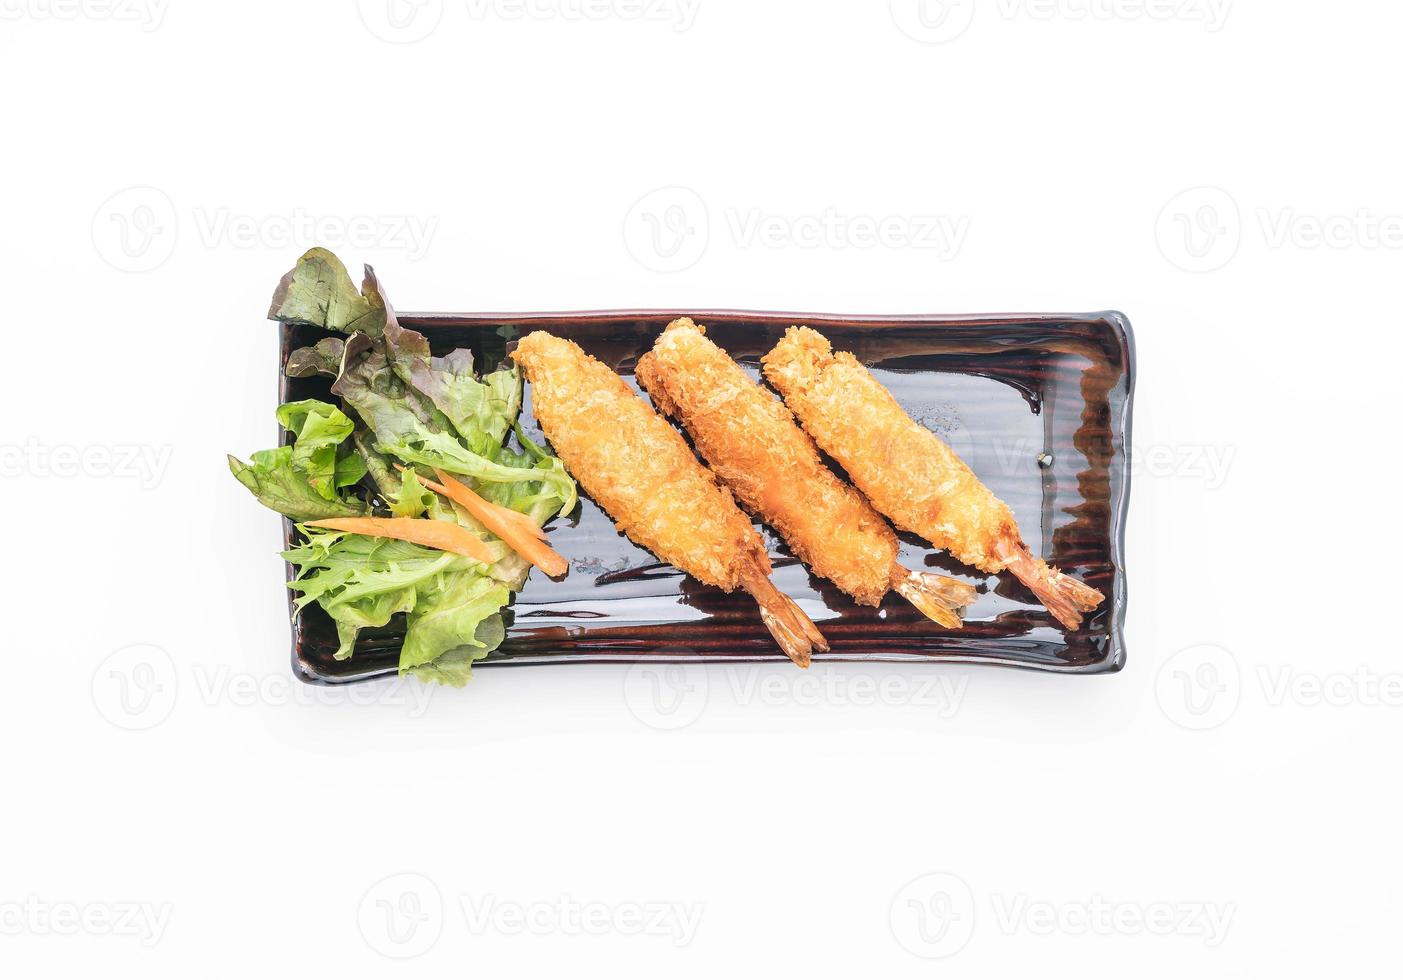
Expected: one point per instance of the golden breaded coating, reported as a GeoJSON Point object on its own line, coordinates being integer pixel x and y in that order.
{"type": "Point", "coordinates": [907, 472]}
{"type": "Point", "coordinates": [635, 465]}
{"type": "Point", "coordinates": [903, 467]}
{"type": "Point", "coordinates": [751, 442]}
{"type": "Point", "coordinates": [640, 470]}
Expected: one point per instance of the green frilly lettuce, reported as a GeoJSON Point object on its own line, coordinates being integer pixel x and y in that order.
{"type": "Point", "coordinates": [452, 611]}
{"type": "Point", "coordinates": [303, 481]}
{"type": "Point", "coordinates": [406, 412]}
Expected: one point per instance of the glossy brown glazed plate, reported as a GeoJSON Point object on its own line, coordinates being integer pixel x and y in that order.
{"type": "Point", "coordinates": [1038, 405]}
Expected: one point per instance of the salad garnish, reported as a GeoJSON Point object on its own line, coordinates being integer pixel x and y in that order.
{"type": "Point", "coordinates": [417, 495]}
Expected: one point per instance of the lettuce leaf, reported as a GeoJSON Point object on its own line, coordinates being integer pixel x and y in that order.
{"type": "Point", "coordinates": [362, 581]}
{"type": "Point", "coordinates": [481, 412]}
{"type": "Point", "coordinates": [455, 666]}
{"type": "Point", "coordinates": [319, 430]}
{"type": "Point", "coordinates": [411, 428]}
{"type": "Point", "coordinates": [377, 464]}
{"type": "Point", "coordinates": [399, 403]}
{"type": "Point", "coordinates": [303, 481]}
{"type": "Point", "coordinates": [414, 499]}
{"type": "Point", "coordinates": [448, 619]}
{"type": "Point", "coordinates": [319, 291]}
{"type": "Point", "coordinates": [323, 357]}
{"type": "Point", "coordinates": [271, 476]}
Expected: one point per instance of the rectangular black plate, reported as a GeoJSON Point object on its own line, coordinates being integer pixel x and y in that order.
{"type": "Point", "coordinates": [1038, 405]}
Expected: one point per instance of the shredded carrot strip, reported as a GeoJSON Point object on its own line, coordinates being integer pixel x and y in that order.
{"type": "Point", "coordinates": [443, 535]}
{"type": "Point", "coordinates": [519, 532]}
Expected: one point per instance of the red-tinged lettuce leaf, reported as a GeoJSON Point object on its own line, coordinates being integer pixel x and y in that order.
{"type": "Point", "coordinates": [323, 357]}
{"type": "Point", "coordinates": [319, 291]}
{"type": "Point", "coordinates": [481, 412]}
{"type": "Point", "coordinates": [394, 411]}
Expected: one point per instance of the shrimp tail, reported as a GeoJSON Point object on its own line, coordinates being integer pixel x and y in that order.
{"type": "Point", "coordinates": [1064, 596]}
{"type": "Point", "coordinates": [938, 597]}
{"type": "Point", "coordinates": [792, 629]}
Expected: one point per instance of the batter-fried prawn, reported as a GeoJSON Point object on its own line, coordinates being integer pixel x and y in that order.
{"type": "Point", "coordinates": [637, 467]}
{"type": "Point", "coordinates": [751, 442]}
{"type": "Point", "coordinates": [908, 473]}
{"type": "Point", "coordinates": [938, 596]}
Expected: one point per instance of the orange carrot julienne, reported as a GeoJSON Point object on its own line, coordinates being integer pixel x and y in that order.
{"type": "Point", "coordinates": [443, 535]}
{"type": "Point", "coordinates": [448, 485]}
{"type": "Point", "coordinates": [519, 532]}
{"type": "Point", "coordinates": [475, 503]}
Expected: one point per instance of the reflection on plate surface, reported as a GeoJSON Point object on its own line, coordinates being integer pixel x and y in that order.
{"type": "Point", "coordinates": [1037, 405]}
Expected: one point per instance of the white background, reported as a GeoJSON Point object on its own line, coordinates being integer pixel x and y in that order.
{"type": "Point", "coordinates": [1076, 827]}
